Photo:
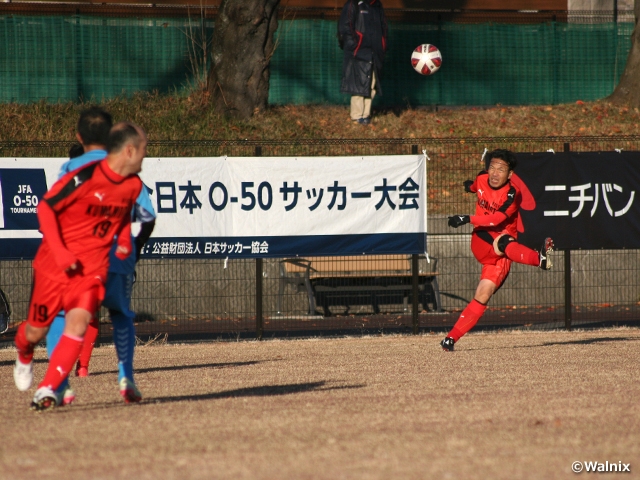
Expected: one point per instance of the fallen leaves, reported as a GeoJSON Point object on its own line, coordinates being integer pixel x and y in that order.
{"type": "Point", "coordinates": [173, 117]}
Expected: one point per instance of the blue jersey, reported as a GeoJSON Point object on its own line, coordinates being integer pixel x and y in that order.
{"type": "Point", "coordinates": [143, 210]}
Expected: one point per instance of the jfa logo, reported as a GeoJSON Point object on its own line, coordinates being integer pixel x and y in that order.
{"type": "Point", "coordinates": [21, 190]}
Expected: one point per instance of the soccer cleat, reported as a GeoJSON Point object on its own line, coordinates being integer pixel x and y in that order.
{"type": "Point", "coordinates": [23, 375]}
{"type": "Point", "coordinates": [4, 323]}
{"type": "Point", "coordinates": [82, 371]}
{"type": "Point", "coordinates": [44, 399]}
{"type": "Point", "coordinates": [447, 344]}
{"type": "Point", "coordinates": [129, 391]}
{"type": "Point", "coordinates": [545, 254]}
{"type": "Point", "coordinates": [67, 397]}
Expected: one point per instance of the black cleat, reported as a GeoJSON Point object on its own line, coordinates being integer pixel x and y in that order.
{"type": "Point", "coordinates": [545, 254]}
{"type": "Point", "coordinates": [447, 344]}
{"type": "Point", "coordinates": [4, 323]}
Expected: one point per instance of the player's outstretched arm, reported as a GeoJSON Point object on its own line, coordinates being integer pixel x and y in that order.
{"type": "Point", "coordinates": [459, 220]}
{"type": "Point", "coordinates": [50, 229]}
{"type": "Point", "coordinates": [488, 220]}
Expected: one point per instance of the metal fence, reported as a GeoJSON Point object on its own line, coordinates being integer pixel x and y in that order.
{"type": "Point", "coordinates": [207, 298]}
{"type": "Point", "coordinates": [71, 51]}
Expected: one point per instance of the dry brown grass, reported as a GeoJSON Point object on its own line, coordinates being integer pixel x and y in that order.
{"type": "Point", "coordinates": [511, 405]}
{"type": "Point", "coordinates": [168, 117]}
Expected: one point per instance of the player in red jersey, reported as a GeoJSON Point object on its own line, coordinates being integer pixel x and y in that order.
{"type": "Point", "coordinates": [493, 241]}
{"type": "Point", "coordinates": [79, 218]}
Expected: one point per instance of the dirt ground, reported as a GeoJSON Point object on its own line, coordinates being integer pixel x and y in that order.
{"type": "Point", "coordinates": [507, 405]}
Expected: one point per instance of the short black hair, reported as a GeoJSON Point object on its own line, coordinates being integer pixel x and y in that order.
{"type": "Point", "coordinates": [94, 125]}
{"type": "Point", "coordinates": [506, 155]}
{"type": "Point", "coordinates": [121, 134]}
{"type": "Point", "coordinates": [76, 151]}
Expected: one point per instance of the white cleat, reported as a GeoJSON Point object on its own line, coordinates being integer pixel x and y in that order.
{"type": "Point", "coordinates": [67, 397]}
{"type": "Point", "coordinates": [546, 260]}
{"type": "Point", "coordinates": [44, 399]}
{"type": "Point", "coordinates": [23, 375]}
{"type": "Point", "coordinates": [129, 391]}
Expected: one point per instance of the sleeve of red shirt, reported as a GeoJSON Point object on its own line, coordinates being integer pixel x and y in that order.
{"type": "Point", "coordinates": [124, 235]}
{"type": "Point", "coordinates": [488, 220]}
{"type": "Point", "coordinates": [124, 241]}
{"type": "Point", "coordinates": [51, 231]}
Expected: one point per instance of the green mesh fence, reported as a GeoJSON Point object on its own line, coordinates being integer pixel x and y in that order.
{"type": "Point", "coordinates": [60, 58]}
{"type": "Point", "coordinates": [66, 58]}
{"type": "Point", "coordinates": [483, 64]}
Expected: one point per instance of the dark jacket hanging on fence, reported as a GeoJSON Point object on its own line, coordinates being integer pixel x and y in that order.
{"type": "Point", "coordinates": [362, 32]}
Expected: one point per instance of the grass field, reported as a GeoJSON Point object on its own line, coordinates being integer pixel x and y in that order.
{"type": "Point", "coordinates": [175, 117]}
{"type": "Point", "coordinates": [509, 405]}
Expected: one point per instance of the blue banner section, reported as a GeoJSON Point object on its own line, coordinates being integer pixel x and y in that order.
{"type": "Point", "coordinates": [246, 247]}
{"type": "Point", "coordinates": [278, 247]}
{"type": "Point", "coordinates": [18, 248]}
{"type": "Point", "coordinates": [21, 189]}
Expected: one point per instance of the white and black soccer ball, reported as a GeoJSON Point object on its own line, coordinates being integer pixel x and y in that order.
{"type": "Point", "coordinates": [426, 59]}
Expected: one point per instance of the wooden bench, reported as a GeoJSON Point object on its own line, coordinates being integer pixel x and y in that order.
{"type": "Point", "coordinates": [358, 280]}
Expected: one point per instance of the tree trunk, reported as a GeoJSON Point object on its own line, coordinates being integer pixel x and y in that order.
{"type": "Point", "coordinates": [241, 51]}
{"type": "Point", "coordinates": [628, 90]}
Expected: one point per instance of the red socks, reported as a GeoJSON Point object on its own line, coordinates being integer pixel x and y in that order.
{"type": "Point", "coordinates": [89, 341]}
{"type": "Point", "coordinates": [25, 348]}
{"type": "Point", "coordinates": [62, 360]}
{"type": "Point", "coordinates": [468, 319]}
{"type": "Point", "coordinates": [520, 254]}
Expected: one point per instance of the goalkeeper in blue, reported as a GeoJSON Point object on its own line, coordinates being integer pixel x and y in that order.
{"type": "Point", "coordinates": [93, 129]}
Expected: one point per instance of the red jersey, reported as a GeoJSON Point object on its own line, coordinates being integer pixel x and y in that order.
{"type": "Point", "coordinates": [496, 209]}
{"type": "Point", "coordinates": [91, 206]}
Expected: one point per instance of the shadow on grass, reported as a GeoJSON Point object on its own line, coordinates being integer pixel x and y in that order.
{"type": "Point", "coordinates": [6, 363]}
{"type": "Point", "coordinates": [586, 341]}
{"type": "Point", "coordinates": [589, 341]}
{"type": "Point", "coordinates": [263, 391]}
{"type": "Point", "coordinates": [138, 371]}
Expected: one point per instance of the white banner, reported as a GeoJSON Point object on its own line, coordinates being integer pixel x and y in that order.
{"type": "Point", "coordinates": [252, 207]}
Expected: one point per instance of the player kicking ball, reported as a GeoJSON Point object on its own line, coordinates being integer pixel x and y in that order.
{"type": "Point", "coordinates": [493, 241]}
{"type": "Point", "coordinates": [79, 218]}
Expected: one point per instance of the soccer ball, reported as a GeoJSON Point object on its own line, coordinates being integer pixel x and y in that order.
{"type": "Point", "coordinates": [426, 59]}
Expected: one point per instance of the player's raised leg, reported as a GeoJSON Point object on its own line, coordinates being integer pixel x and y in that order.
{"type": "Point", "coordinates": [519, 253]}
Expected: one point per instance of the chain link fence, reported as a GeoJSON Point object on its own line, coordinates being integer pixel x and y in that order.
{"type": "Point", "coordinates": [205, 298]}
